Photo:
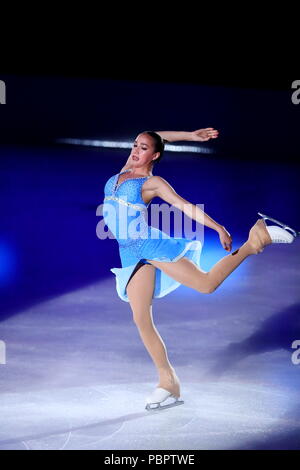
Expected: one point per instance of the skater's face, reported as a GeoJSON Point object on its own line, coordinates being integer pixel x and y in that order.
{"type": "Point", "coordinates": [143, 150]}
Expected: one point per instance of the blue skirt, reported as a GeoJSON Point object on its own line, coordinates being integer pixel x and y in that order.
{"type": "Point", "coordinates": [163, 248]}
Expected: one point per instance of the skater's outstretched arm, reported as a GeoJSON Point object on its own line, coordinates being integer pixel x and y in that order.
{"type": "Point", "coordinates": [164, 190]}
{"type": "Point", "coordinates": [200, 135]}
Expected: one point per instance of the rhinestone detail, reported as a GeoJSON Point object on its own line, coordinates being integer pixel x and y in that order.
{"type": "Point", "coordinates": [131, 190]}
{"type": "Point", "coordinates": [121, 201]}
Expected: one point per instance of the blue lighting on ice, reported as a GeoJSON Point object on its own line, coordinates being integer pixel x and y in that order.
{"type": "Point", "coordinates": [7, 264]}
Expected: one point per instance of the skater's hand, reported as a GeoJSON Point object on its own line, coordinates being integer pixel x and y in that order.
{"type": "Point", "coordinates": [203, 135]}
{"type": "Point", "coordinates": [225, 239]}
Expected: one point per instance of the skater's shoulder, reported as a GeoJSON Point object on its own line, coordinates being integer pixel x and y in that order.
{"type": "Point", "coordinates": [161, 188]}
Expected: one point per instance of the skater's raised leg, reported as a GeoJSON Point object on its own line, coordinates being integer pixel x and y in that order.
{"type": "Point", "coordinates": [188, 274]}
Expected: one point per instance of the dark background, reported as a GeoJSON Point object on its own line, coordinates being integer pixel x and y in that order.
{"type": "Point", "coordinates": [50, 192]}
{"type": "Point", "coordinates": [256, 118]}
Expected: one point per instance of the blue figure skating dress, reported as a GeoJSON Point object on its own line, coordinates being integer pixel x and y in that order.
{"type": "Point", "coordinates": [126, 214]}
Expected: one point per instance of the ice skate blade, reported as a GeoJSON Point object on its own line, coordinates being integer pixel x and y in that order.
{"type": "Point", "coordinates": [161, 399]}
{"type": "Point", "coordinates": [295, 233]}
{"type": "Point", "coordinates": [160, 407]}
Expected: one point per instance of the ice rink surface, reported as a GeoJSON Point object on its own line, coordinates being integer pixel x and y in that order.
{"type": "Point", "coordinates": [77, 374]}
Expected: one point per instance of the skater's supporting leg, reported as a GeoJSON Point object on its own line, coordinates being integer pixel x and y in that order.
{"type": "Point", "coordinates": [140, 292]}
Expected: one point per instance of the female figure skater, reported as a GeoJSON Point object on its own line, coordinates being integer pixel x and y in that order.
{"type": "Point", "coordinates": [153, 267]}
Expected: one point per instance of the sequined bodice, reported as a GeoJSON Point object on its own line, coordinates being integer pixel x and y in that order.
{"type": "Point", "coordinates": [123, 204]}
{"type": "Point", "coordinates": [129, 190]}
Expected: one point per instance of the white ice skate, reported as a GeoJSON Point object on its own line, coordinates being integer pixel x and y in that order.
{"type": "Point", "coordinates": [159, 396]}
{"type": "Point", "coordinates": [278, 234]}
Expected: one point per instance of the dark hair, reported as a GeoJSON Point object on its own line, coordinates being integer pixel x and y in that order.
{"type": "Point", "coordinates": [159, 144]}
